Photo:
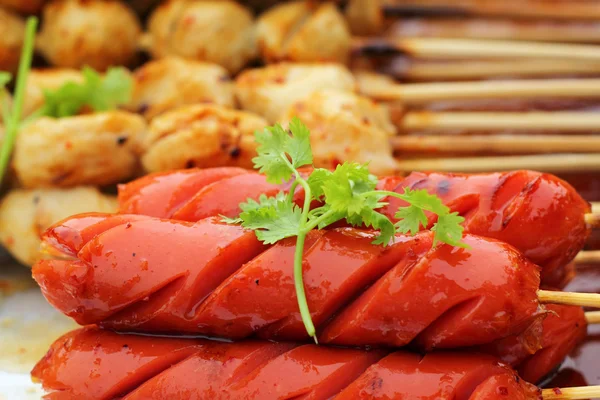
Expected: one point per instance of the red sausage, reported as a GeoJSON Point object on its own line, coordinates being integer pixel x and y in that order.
{"type": "Point", "coordinates": [515, 207]}
{"type": "Point", "coordinates": [539, 214]}
{"type": "Point", "coordinates": [155, 275]}
{"type": "Point", "coordinates": [95, 364]}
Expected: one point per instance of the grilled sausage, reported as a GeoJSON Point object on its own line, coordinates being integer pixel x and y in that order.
{"type": "Point", "coordinates": [515, 207]}
{"type": "Point", "coordinates": [98, 365]}
{"type": "Point", "coordinates": [138, 273]}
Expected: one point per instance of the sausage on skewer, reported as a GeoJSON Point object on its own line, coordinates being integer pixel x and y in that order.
{"type": "Point", "coordinates": [509, 206]}
{"type": "Point", "coordinates": [138, 367]}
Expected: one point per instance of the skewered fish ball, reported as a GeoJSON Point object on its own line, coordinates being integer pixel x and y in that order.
{"type": "Point", "coordinates": [298, 31]}
{"type": "Point", "coordinates": [24, 6]}
{"type": "Point", "coordinates": [45, 79]}
{"type": "Point", "coordinates": [216, 31]}
{"type": "Point", "coordinates": [345, 126]}
{"type": "Point", "coordinates": [165, 84]}
{"type": "Point", "coordinates": [12, 31]}
{"type": "Point", "coordinates": [26, 214]}
{"type": "Point", "coordinates": [95, 33]}
{"type": "Point", "coordinates": [270, 90]}
{"type": "Point", "coordinates": [93, 149]}
{"type": "Point", "coordinates": [201, 136]}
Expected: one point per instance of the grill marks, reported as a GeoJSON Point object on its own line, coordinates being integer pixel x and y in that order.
{"type": "Point", "coordinates": [200, 278]}
{"type": "Point", "coordinates": [90, 363]}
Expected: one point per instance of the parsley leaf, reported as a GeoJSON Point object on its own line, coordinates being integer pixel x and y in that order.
{"type": "Point", "coordinates": [272, 160]}
{"type": "Point", "coordinates": [100, 93]}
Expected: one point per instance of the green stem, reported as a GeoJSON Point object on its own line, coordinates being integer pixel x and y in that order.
{"type": "Point", "coordinates": [314, 223]}
{"type": "Point", "coordinates": [290, 196]}
{"type": "Point", "coordinates": [12, 125]}
{"type": "Point", "coordinates": [298, 270]}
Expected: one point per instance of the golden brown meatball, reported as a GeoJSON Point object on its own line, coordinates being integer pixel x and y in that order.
{"type": "Point", "coordinates": [171, 82]}
{"type": "Point", "coordinates": [94, 149]}
{"type": "Point", "coordinates": [201, 136]}
{"type": "Point", "coordinates": [97, 33]}
{"type": "Point", "coordinates": [365, 17]}
{"type": "Point", "coordinates": [26, 214]}
{"type": "Point", "coordinates": [270, 90]}
{"type": "Point", "coordinates": [346, 127]}
{"type": "Point", "coordinates": [12, 32]}
{"type": "Point", "coordinates": [45, 79]}
{"type": "Point", "coordinates": [24, 6]}
{"type": "Point", "coordinates": [298, 31]}
{"type": "Point", "coordinates": [216, 31]}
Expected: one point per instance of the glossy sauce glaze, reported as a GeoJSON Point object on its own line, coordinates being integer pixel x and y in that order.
{"type": "Point", "coordinates": [151, 275]}
{"type": "Point", "coordinates": [94, 364]}
{"type": "Point", "coordinates": [513, 206]}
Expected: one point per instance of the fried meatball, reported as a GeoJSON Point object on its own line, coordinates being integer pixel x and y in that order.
{"type": "Point", "coordinates": [346, 127]}
{"type": "Point", "coordinates": [45, 79]}
{"type": "Point", "coordinates": [165, 84]}
{"type": "Point", "coordinates": [26, 214]}
{"type": "Point", "coordinates": [298, 31]}
{"type": "Point", "coordinates": [97, 33]}
{"type": "Point", "coordinates": [365, 17]}
{"type": "Point", "coordinates": [215, 31]}
{"type": "Point", "coordinates": [93, 149]}
{"type": "Point", "coordinates": [201, 136]}
{"type": "Point", "coordinates": [12, 32]}
{"type": "Point", "coordinates": [24, 6]}
{"type": "Point", "coordinates": [270, 90]}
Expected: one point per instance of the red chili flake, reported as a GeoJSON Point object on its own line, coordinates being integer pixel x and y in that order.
{"type": "Point", "coordinates": [128, 225]}
{"type": "Point", "coordinates": [68, 145]}
{"type": "Point", "coordinates": [10, 241]}
{"type": "Point", "coordinates": [557, 391]}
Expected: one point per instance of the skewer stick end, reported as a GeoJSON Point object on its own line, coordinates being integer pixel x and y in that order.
{"type": "Point", "coordinates": [575, 393]}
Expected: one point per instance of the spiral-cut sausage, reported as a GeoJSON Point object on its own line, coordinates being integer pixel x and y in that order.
{"type": "Point", "coordinates": [136, 273]}
{"type": "Point", "coordinates": [97, 365]}
{"type": "Point", "coordinates": [539, 214]}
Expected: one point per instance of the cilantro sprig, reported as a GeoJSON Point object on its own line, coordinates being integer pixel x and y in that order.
{"type": "Point", "coordinates": [349, 193]}
{"type": "Point", "coordinates": [99, 93]}
{"type": "Point", "coordinates": [12, 116]}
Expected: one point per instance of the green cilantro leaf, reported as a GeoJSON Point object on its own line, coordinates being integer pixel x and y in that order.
{"type": "Point", "coordinates": [298, 146]}
{"type": "Point", "coordinates": [347, 193]}
{"type": "Point", "coordinates": [317, 180]}
{"type": "Point", "coordinates": [273, 222]}
{"type": "Point", "coordinates": [100, 93]}
{"type": "Point", "coordinates": [5, 77]}
{"type": "Point", "coordinates": [424, 200]}
{"type": "Point", "coordinates": [411, 219]}
{"type": "Point", "coordinates": [448, 229]}
{"type": "Point", "coordinates": [271, 159]}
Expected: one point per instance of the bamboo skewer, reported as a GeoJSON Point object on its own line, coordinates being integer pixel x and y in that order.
{"type": "Point", "coordinates": [595, 207]}
{"type": "Point", "coordinates": [554, 163]}
{"type": "Point", "coordinates": [569, 298]}
{"type": "Point", "coordinates": [532, 8]}
{"type": "Point", "coordinates": [587, 257]}
{"type": "Point", "coordinates": [574, 393]}
{"type": "Point", "coordinates": [384, 88]}
{"type": "Point", "coordinates": [570, 121]}
{"type": "Point", "coordinates": [497, 144]}
{"type": "Point", "coordinates": [446, 48]}
{"type": "Point", "coordinates": [592, 317]}
{"type": "Point", "coordinates": [478, 69]}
